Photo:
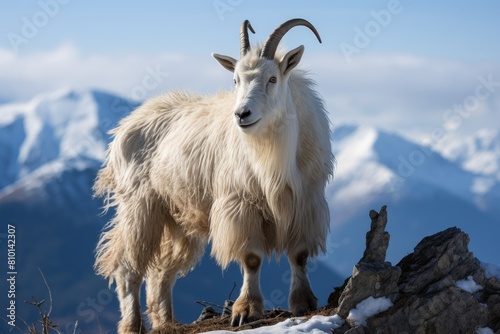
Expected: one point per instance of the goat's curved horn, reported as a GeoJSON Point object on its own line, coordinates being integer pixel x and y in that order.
{"type": "Point", "coordinates": [244, 41]}
{"type": "Point", "coordinates": [274, 39]}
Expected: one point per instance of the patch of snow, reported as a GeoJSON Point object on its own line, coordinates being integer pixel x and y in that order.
{"type": "Point", "coordinates": [491, 270]}
{"type": "Point", "coordinates": [368, 308]}
{"type": "Point", "coordinates": [484, 330]}
{"type": "Point", "coordinates": [317, 324]}
{"type": "Point", "coordinates": [469, 285]}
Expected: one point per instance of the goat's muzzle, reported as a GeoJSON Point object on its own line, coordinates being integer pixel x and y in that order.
{"type": "Point", "coordinates": [245, 118]}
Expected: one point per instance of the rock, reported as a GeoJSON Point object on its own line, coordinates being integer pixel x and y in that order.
{"type": "Point", "coordinates": [207, 313]}
{"type": "Point", "coordinates": [436, 257]}
{"type": "Point", "coordinates": [493, 284]}
{"type": "Point", "coordinates": [228, 307]}
{"type": "Point", "coordinates": [377, 239]}
{"type": "Point", "coordinates": [343, 329]}
{"type": "Point", "coordinates": [451, 310]}
{"type": "Point", "coordinates": [369, 279]}
{"type": "Point", "coordinates": [357, 330]}
{"type": "Point", "coordinates": [430, 300]}
{"type": "Point", "coordinates": [372, 276]}
{"type": "Point", "coordinates": [423, 286]}
{"type": "Point", "coordinates": [493, 302]}
{"type": "Point", "coordinates": [333, 298]}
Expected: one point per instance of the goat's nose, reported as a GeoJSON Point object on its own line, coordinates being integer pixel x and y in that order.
{"type": "Point", "coordinates": [242, 114]}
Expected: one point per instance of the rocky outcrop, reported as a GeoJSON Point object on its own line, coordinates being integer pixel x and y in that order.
{"type": "Point", "coordinates": [439, 288]}
{"type": "Point", "coordinates": [377, 239]}
{"type": "Point", "coordinates": [371, 276]}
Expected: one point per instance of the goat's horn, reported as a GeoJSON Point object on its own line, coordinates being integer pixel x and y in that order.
{"type": "Point", "coordinates": [274, 39]}
{"type": "Point", "coordinates": [244, 41]}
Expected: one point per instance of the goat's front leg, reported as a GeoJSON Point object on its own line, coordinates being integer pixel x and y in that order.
{"type": "Point", "coordinates": [250, 305]}
{"type": "Point", "coordinates": [301, 299]}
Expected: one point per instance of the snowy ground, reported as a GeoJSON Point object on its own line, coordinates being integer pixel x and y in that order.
{"type": "Point", "coordinates": [358, 315]}
{"type": "Point", "coordinates": [319, 324]}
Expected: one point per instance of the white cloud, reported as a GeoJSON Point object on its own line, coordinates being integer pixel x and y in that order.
{"type": "Point", "coordinates": [66, 66]}
{"type": "Point", "coordinates": [404, 93]}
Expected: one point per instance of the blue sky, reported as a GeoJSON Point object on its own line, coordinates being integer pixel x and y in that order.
{"type": "Point", "coordinates": [416, 60]}
{"type": "Point", "coordinates": [458, 29]}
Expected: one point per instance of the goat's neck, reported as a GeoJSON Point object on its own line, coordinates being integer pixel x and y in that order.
{"type": "Point", "coordinates": [276, 155]}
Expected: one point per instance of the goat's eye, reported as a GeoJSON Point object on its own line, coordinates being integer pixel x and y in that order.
{"type": "Point", "coordinates": [234, 80]}
{"type": "Point", "coordinates": [272, 79]}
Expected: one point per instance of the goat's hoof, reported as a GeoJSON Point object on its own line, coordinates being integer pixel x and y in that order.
{"type": "Point", "coordinates": [131, 328]}
{"type": "Point", "coordinates": [246, 310]}
{"type": "Point", "coordinates": [303, 301]}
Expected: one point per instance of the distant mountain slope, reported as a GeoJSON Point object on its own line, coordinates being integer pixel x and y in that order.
{"type": "Point", "coordinates": [52, 147]}
{"type": "Point", "coordinates": [478, 153]}
{"type": "Point", "coordinates": [424, 191]}
{"type": "Point", "coordinates": [57, 129]}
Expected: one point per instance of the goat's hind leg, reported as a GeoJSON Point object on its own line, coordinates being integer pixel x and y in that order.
{"type": "Point", "coordinates": [128, 286]}
{"type": "Point", "coordinates": [161, 278]}
{"type": "Point", "coordinates": [159, 284]}
{"type": "Point", "coordinates": [178, 253]}
{"type": "Point", "coordinates": [131, 246]}
{"type": "Point", "coordinates": [112, 262]}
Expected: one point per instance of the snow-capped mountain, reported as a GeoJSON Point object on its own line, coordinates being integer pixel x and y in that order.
{"type": "Point", "coordinates": [52, 147]}
{"type": "Point", "coordinates": [389, 163]}
{"type": "Point", "coordinates": [425, 193]}
{"type": "Point", "coordinates": [65, 130]}
{"type": "Point", "coordinates": [478, 153]}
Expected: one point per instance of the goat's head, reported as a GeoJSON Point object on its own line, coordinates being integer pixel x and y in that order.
{"type": "Point", "coordinates": [261, 78]}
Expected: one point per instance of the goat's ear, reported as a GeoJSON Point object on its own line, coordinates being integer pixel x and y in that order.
{"type": "Point", "coordinates": [291, 59]}
{"type": "Point", "coordinates": [227, 62]}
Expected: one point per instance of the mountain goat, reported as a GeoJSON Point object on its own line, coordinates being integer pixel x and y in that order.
{"type": "Point", "coordinates": [245, 170]}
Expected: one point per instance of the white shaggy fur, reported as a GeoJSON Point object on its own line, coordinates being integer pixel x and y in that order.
{"type": "Point", "coordinates": [181, 172]}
